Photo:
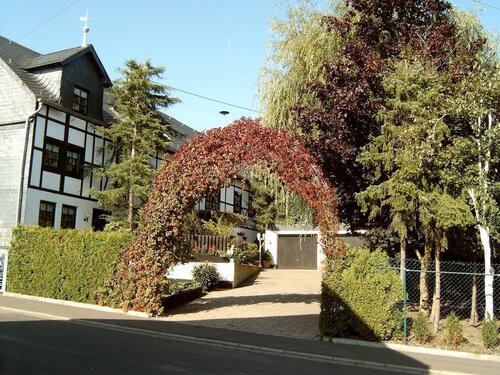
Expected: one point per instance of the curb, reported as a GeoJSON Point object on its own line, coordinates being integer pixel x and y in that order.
{"type": "Point", "coordinates": [418, 350]}
{"type": "Point", "coordinates": [396, 347]}
{"type": "Point", "coordinates": [356, 363]}
{"type": "Point", "coordinates": [78, 304]}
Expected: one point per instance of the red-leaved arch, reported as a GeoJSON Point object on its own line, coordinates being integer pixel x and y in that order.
{"type": "Point", "coordinates": [202, 167]}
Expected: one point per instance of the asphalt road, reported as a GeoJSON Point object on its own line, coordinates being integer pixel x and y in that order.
{"type": "Point", "coordinates": [30, 345]}
{"type": "Point", "coordinates": [38, 337]}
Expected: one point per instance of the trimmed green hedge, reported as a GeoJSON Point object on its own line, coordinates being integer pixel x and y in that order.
{"type": "Point", "coordinates": [360, 298]}
{"type": "Point", "coordinates": [65, 264]}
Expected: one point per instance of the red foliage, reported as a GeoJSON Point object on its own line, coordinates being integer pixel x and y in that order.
{"type": "Point", "coordinates": [202, 167]}
{"type": "Point", "coordinates": [351, 93]}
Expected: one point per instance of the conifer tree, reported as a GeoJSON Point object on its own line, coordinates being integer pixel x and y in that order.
{"type": "Point", "coordinates": [137, 133]}
{"type": "Point", "coordinates": [408, 161]}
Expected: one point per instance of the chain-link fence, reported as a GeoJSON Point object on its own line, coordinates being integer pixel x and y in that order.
{"type": "Point", "coordinates": [462, 288]}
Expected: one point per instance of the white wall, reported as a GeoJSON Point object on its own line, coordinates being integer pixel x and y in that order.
{"type": "Point", "coordinates": [271, 242]}
{"type": "Point", "coordinates": [11, 152]}
{"type": "Point", "coordinates": [232, 272]}
{"type": "Point", "coordinates": [83, 208]}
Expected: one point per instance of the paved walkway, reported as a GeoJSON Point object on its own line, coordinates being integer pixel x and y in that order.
{"type": "Point", "coordinates": [276, 302]}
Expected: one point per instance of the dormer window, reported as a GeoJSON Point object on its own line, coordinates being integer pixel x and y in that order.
{"type": "Point", "coordinates": [80, 100]}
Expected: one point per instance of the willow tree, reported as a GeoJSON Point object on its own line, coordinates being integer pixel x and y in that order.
{"type": "Point", "coordinates": [137, 133]}
{"type": "Point", "coordinates": [300, 46]}
{"type": "Point", "coordinates": [323, 79]}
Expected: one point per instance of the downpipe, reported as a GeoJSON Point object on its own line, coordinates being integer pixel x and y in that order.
{"type": "Point", "coordinates": [29, 119]}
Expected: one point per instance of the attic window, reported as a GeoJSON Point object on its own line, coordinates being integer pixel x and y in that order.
{"type": "Point", "coordinates": [80, 100]}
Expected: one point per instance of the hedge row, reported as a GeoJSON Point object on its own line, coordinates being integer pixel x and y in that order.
{"type": "Point", "coordinates": [361, 297]}
{"type": "Point", "coordinates": [65, 264]}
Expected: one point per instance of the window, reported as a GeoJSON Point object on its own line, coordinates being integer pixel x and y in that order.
{"type": "Point", "coordinates": [51, 155]}
{"type": "Point", "coordinates": [251, 210]}
{"type": "Point", "coordinates": [73, 166]}
{"type": "Point", "coordinates": [80, 99]}
{"type": "Point", "coordinates": [212, 203]}
{"type": "Point", "coordinates": [68, 217]}
{"type": "Point", "coordinates": [46, 214]}
{"type": "Point", "coordinates": [62, 158]}
{"type": "Point", "coordinates": [237, 202]}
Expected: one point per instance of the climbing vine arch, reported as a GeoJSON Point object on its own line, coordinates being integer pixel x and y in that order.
{"type": "Point", "coordinates": [202, 167]}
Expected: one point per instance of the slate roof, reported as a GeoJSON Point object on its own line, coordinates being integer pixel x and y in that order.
{"type": "Point", "coordinates": [13, 55]}
{"type": "Point", "coordinates": [23, 61]}
{"type": "Point", "coordinates": [182, 132]}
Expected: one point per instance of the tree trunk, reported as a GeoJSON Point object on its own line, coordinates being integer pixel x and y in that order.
{"type": "Point", "coordinates": [480, 208]}
{"type": "Point", "coordinates": [402, 245]}
{"type": "Point", "coordinates": [474, 319]}
{"type": "Point", "coordinates": [436, 303]}
{"type": "Point", "coordinates": [488, 272]}
{"type": "Point", "coordinates": [484, 234]}
{"type": "Point", "coordinates": [130, 218]}
{"type": "Point", "coordinates": [424, 266]}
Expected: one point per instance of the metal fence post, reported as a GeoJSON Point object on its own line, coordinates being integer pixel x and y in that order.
{"type": "Point", "coordinates": [405, 335]}
{"type": "Point", "coordinates": [4, 257]}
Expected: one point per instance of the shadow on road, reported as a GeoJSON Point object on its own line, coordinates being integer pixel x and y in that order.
{"type": "Point", "coordinates": [154, 346]}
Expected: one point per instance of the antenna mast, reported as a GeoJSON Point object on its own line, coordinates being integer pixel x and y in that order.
{"type": "Point", "coordinates": [86, 29]}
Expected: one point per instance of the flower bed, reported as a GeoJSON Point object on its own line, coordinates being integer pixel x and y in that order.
{"type": "Point", "coordinates": [231, 274]}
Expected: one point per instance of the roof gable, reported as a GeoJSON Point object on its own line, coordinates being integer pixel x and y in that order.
{"type": "Point", "coordinates": [65, 57]}
{"type": "Point", "coordinates": [24, 62]}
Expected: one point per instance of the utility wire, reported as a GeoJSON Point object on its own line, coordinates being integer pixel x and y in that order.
{"type": "Point", "coordinates": [486, 5]}
{"type": "Point", "coordinates": [214, 100]}
{"type": "Point", "coordinates": [48, 20]}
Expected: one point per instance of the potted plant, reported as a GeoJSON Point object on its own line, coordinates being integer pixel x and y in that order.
{"type": "Point", "coordinates": [266, 259]}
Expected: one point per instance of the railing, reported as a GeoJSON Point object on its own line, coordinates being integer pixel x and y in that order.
{"type": "Point", "coordinates": [4, 257]}
{"type": "Point", "coordinates": [207, 243]}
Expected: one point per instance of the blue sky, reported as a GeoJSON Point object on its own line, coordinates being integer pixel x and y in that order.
{"type": "Point", "coordinates": [213, 48]}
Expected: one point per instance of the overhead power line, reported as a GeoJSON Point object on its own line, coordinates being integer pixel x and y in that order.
{"type": "Point", "coordinates": [214, 100]}
{"type": "Point", "coordinates": [48, 20]}
{"type": "Point", "coordinates": [486, 5]}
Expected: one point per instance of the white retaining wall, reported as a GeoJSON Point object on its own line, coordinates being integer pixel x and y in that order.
{"type": "Point", "coordinates": [235, 273]}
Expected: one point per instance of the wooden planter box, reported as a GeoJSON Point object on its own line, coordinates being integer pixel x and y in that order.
{"type": "Point", "coordinates": [174, 300]}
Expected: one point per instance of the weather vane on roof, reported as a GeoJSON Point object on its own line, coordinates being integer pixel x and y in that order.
{"type": "Point", "coordinates": [85, 29]}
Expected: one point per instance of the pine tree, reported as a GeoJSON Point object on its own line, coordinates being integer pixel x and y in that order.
{"type": "Point", "coordinates": [409, 164]}
{"type": "Point", "coordinates": [137, 133]}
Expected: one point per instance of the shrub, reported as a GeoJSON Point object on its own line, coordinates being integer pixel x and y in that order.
{"type": "Point", "coordinates": [489, 332]}
{"type": "Point", "coordinates": [244, 252]}
{"type": "Point", "coordinates": [63, 263]}
{"type": "Point", "coordinates": [206, 275]}
{"type": "Point", "coordinates": [174, 288]}
{"type": "Point", "coordinates": [268, 256]}
{"type": "Point", "coordinates": [360, 297]}
{"type": "Point", "coordinates": [421, 328]}
{"type": "Point", "coordinates": [453, 331]}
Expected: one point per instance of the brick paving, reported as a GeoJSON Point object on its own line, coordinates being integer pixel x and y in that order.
{"type": "Point", "coordinates": [276, 302]}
